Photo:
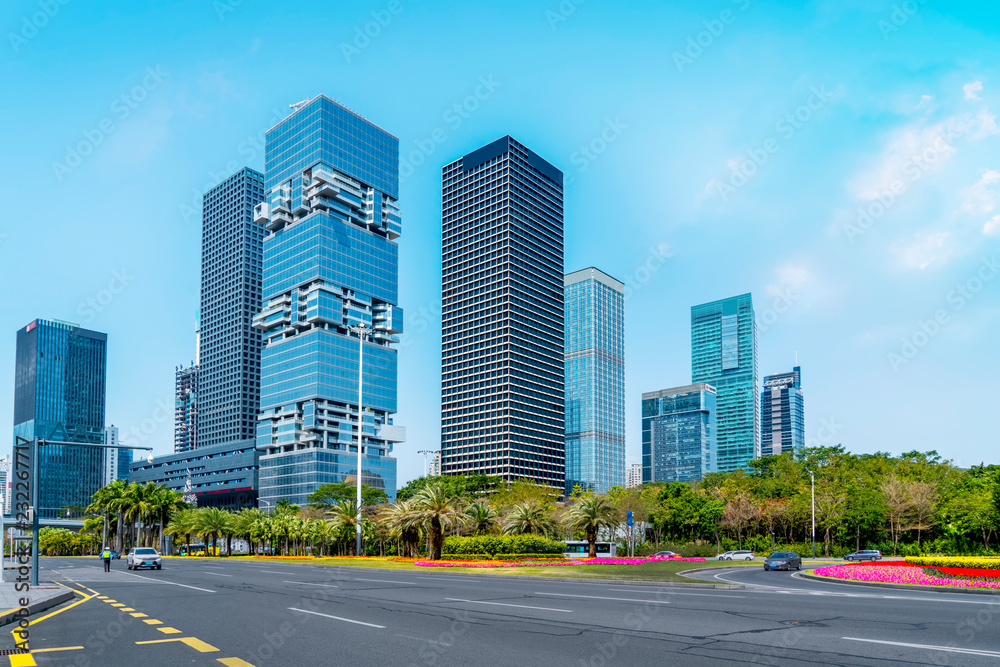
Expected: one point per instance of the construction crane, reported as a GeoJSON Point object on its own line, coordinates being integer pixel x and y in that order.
{"type": "Point", "coordinates": [298, 105]}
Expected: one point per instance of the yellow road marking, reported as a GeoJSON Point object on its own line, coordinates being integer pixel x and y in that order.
{"type": "Point", "coordinates": [102, 597]}
{"type": "Point", "coordinates": [234, 662]}
{"type": "Point", "coordinates": [153, 621]}
{"type": "Point", "coordinates": [126, 609]}
{"type": "Point", "coordinates": [169, 631]}
{"type": "Point", "coordinates": [193, 642]}
{"type": "Point", "coordinates": [118, 604]}
{"type": "Point", "coordinates": [138, 614]}
{"type": "Point", "coordinates": [22, 660]}
{"type": "Point", "coordinates": [61, 648]}
{"type": "Point", "coordinates": [39, 620]}
{"type": "Point", "coordinates": [109, 600]}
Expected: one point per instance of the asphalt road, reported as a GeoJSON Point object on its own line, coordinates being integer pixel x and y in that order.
{"type": "Point", "coordinates": [239, 613]}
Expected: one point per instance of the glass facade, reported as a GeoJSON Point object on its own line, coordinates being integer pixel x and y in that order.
{"type": "Point", "coordinates": [59, 393]}
{"type": "Point", "coordinates": [185, 408]}
{"type": "Point", "coordinates": [724, 355]}
{"type": "Point", "coordinates": [679, 434]}
{"type": "Point", "coordinates": [502, 365]}
{"type": "Point", "coordinates": [783, 426]}
{"type": "Point", "coordinates": [222, 404]}
{"type": "Point", "coordinates": [330, 262]}
{"type": "Point", "coordinates": [595, 381]}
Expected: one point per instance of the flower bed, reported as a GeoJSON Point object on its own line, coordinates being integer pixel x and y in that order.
{"type": "Point", "coordinates": [559, 563]}
{"type": "Point", "coordinates": [966, 562]}
{"type": "Point", "coordinates": [955, 571]}
{"type": "Point", "coordinates": [894, 574]}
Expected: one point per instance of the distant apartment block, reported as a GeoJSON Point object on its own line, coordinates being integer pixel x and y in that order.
{"type": "Point", "coordinates": [114, 462]}
{"type": "Point", "coordinates": [185, 408]}
{"type": "Point", "coordinates": [724, 355]}
{"type": "Point", "coordinates": [502, 364]}
{"type": "Point", "coordinates": [595, 380]}
{"type": "Point", "coordinates": [782, 408]}
{"type": "Point", "coordinates": [679, 434]}
{"type": "Point", "coordinates": [634, 476]}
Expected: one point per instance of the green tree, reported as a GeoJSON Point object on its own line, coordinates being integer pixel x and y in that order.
{"type": "Point", "coordinates": [439, 514]}
{"type": "Point", "coordinates": [589, 515]}
{"type": "Point", "coordinates": [529, 517]}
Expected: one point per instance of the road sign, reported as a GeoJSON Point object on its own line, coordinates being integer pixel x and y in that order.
{"type": "Point", "coordinates": [628, 518]}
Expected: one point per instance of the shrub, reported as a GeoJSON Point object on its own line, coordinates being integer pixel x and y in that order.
{"type": "Point", "coordinates": [502, 544]}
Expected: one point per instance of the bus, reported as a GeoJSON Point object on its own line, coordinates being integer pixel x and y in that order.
{"type": "Point", "coordinates": [581, 549]}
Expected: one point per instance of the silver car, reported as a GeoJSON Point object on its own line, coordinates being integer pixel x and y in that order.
{"type": "Point", "coordinates": [143, 557]}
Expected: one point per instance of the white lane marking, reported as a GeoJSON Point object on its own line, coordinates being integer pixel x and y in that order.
{"type": "Point", "coordinates": [386, 581]}
{"type": "Point", "coordinates": [504, 604]}
{"type": "Point", "coordinates": [171, 583]}
{"type": "Point", "coordinates": [928, 647]}
{"type": "Point", "coordinates": [337, 618]}
{"type": "Point", "coordinates": [421, 639]}
{"type": "Point", "coordinates": [273, 572]}
{"type": "Point", "coordinates": [306, 583]}
{"type": "Point", "coordinates": [219, 574]}
{"type": "Point", "coordinates": [667, 591]}
{"type": "Point", "coordinates": [601, 597]}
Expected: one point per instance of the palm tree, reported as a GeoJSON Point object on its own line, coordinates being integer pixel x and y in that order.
{"type": "Point", "coordinates": [248, 524]}
{"type": "Point", "coordinates": [401, 523]}
{"type": "Point", "coordinates": [590, 515]}
{"type": "Point", "coordinates": [210, 521]}
{"type": "Point", "coordinates": [344, 517]}
{"type": "Point", "coordinates": [110, 500]}
{"type": "Point", "coordinates": [482, 517]}
{"type": "Point", "coordinates": [528, 517]}
{"type": "Point", "coordinates": [92, 526]}
{"type": "Point", "coordinates": [163, 504]}
{"type": "Point", "coordinates": [438, 513]}
{"type": "Point", "coordinates": [183, 523]}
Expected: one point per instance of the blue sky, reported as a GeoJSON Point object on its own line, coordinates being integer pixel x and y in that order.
{"type": "Point", "coordinates": [838, 160]}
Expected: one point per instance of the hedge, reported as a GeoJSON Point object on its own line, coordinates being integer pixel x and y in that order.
{"type": "Point", "coordinates": [968, 562]}
{"type": "Point", "coordinates": [504, 557]}
{"type": "Point", "coordinates": [502, 544]}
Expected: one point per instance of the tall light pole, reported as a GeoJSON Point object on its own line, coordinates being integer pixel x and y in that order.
{"type": "Point", "coordinates": [426, 453]}
{"type": "Point", "coordinates": [812, 482]}
{"type": "Point", "coordinates": [362, 332]}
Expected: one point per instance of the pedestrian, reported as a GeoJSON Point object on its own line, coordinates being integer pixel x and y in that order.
{"type": "Point", "coordinates": [106, 557]}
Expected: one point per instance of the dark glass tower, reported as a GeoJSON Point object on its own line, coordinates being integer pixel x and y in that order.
{"type": "Point", "coordinates": [502, 365]}
{"type": "Point", "coordinates": [724, 355]}
{"type": "Point", "coordinates": [228, 395]}
{"type": "Point", "coordinates": [330, 262]}
{"type": "Point", "coordinates": [783, 427]}
{"type": "Point", "coordinates": [59, 391]}
{"type": "Point", "coordinates": [678, 434]}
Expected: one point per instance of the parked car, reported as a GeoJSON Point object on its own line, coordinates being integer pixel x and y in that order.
{"type": "Point", "coordinates": [783, 560]}
{"type": "Point", "coordinates": [666, 553]}
{"type": "Point", "coordinates": [115, 555]}
{"type": "Point", "coordinates": [736, 555]}
{"type": "Point", "coordinates": [865, 554]}
{"type": "Point", "coordinates": [143, 557]}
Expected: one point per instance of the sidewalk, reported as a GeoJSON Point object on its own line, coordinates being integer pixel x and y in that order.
{"type": "Point", "coordinates": [39, 598]}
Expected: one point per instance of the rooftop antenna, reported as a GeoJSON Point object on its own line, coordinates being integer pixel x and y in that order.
{"type": "Point", "coordinates": [298, 105]}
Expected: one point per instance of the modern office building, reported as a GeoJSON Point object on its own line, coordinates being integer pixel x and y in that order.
{"type": "Point", "coordinates": [222, 476]}
{"type": "Point", "coordinates": [502, 367]}
{"type": "Point", "coordinates": [783, 426]}
{"type": "Point", "coordinates": [228, 380]}
{"type": "Point", "coordinates": [594, 309]}
{"type": "Point", "coordinates": [724, 355]}
{"type": "Point", "coordinates": [330, 263]}
{"type": "Point", "coordinates": [59, 392]}
{"type": "Point", "coordinates": [186, 408]}
{"type": "Point", "coordinates": [114, 462]}
{"type": "Point", "coordinates": [5, 476]}
{"type": "Point", "coordinates": [634, 476]}
{"type": "Point", "coordinates": [679, 433]}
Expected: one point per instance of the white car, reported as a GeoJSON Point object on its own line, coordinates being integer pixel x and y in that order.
{"type": "Point", "coordinates": [143, 557]}
{"type": "Point", "coordinates": [736, 555]}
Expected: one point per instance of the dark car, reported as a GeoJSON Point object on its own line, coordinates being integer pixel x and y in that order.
{"type": "Point", "coordinates": [783, 560]}
{"type": "Point", "coordinates": [865, 554]}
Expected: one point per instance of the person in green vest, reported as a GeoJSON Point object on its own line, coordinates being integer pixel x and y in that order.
{"type": "Point", "coordinates": [106, 557]}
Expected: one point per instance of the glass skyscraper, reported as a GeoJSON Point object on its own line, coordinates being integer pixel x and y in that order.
{"type": "Point", "coordinates": [502, 366]}
{"type": "Point", "coordinates": [330, 262]}
{"type": "Point", "coordinates": [595, 381]}
{"type": "Point", "coordinates": [783, 426]}
{"type": "Point", "coordinates": [679, 433]}
{"type": "Point", "coordinates": [724, 355]}
{"type": "Point", "coordinates": [59, 391]}
{"type": "Point", "coordinates": [185, 408]}
{"type": "Point", "coordinates": [228, 374]}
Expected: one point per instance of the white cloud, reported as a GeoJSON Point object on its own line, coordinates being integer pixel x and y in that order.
{"type": "Point", "coordinates": [922, 250]}
{"type": "Point", "coordinates": [911, 152]}
{"type": "Point", "coordinates": [789, 277]}
{"type": "Point", "coordinates": [992, 226]}
{"type": "Point", "coordinates": [982, 197]}
{"type": "Point", "coordinates": [972, 90]}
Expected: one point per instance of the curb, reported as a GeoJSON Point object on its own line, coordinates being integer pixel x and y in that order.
{"type": "Point", "coordinates": [905, 587]}
{"type": "Point", "coordinates": [36, 607]}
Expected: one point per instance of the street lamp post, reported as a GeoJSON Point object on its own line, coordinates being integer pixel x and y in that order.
{"type": "Point", "coordinates": [812, 483]}
{"type": "Point", "coordinates": [362, 332]}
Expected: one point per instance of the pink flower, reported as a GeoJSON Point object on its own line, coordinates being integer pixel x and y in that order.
{"type": "Point", "coordinates": [559, 563]}
{"type": "Point", "coordinates": [886, 574]}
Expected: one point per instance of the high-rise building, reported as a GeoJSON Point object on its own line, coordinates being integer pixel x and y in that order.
{"type": "Point", "coordinates": [114, 462]}
{"type": "Point", "coordinates": [502, 367]}
{"type": "Point", "coordinates": [724, 355]}
{"type": "Point", "coordinates": [228, 396]}
{"type": "Point", "coordinates": [634, 476]}
{"type": "Point", "coordinates": [186, 408]}
{"type": "Point", "coordinates": [330, 263]}
{"type": "Point", "coordinates": [434, 465]}
{"type": "Point", "coordinates": [595, 381]}
{"type": "Point", "coordinates": [5, 475]}
{"type": "Point", "coordinates": [679, 433]}
{"type": "Point", "coordinates": [59, 391]}
{"type": "Point", "coordinates": [783, 426]}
